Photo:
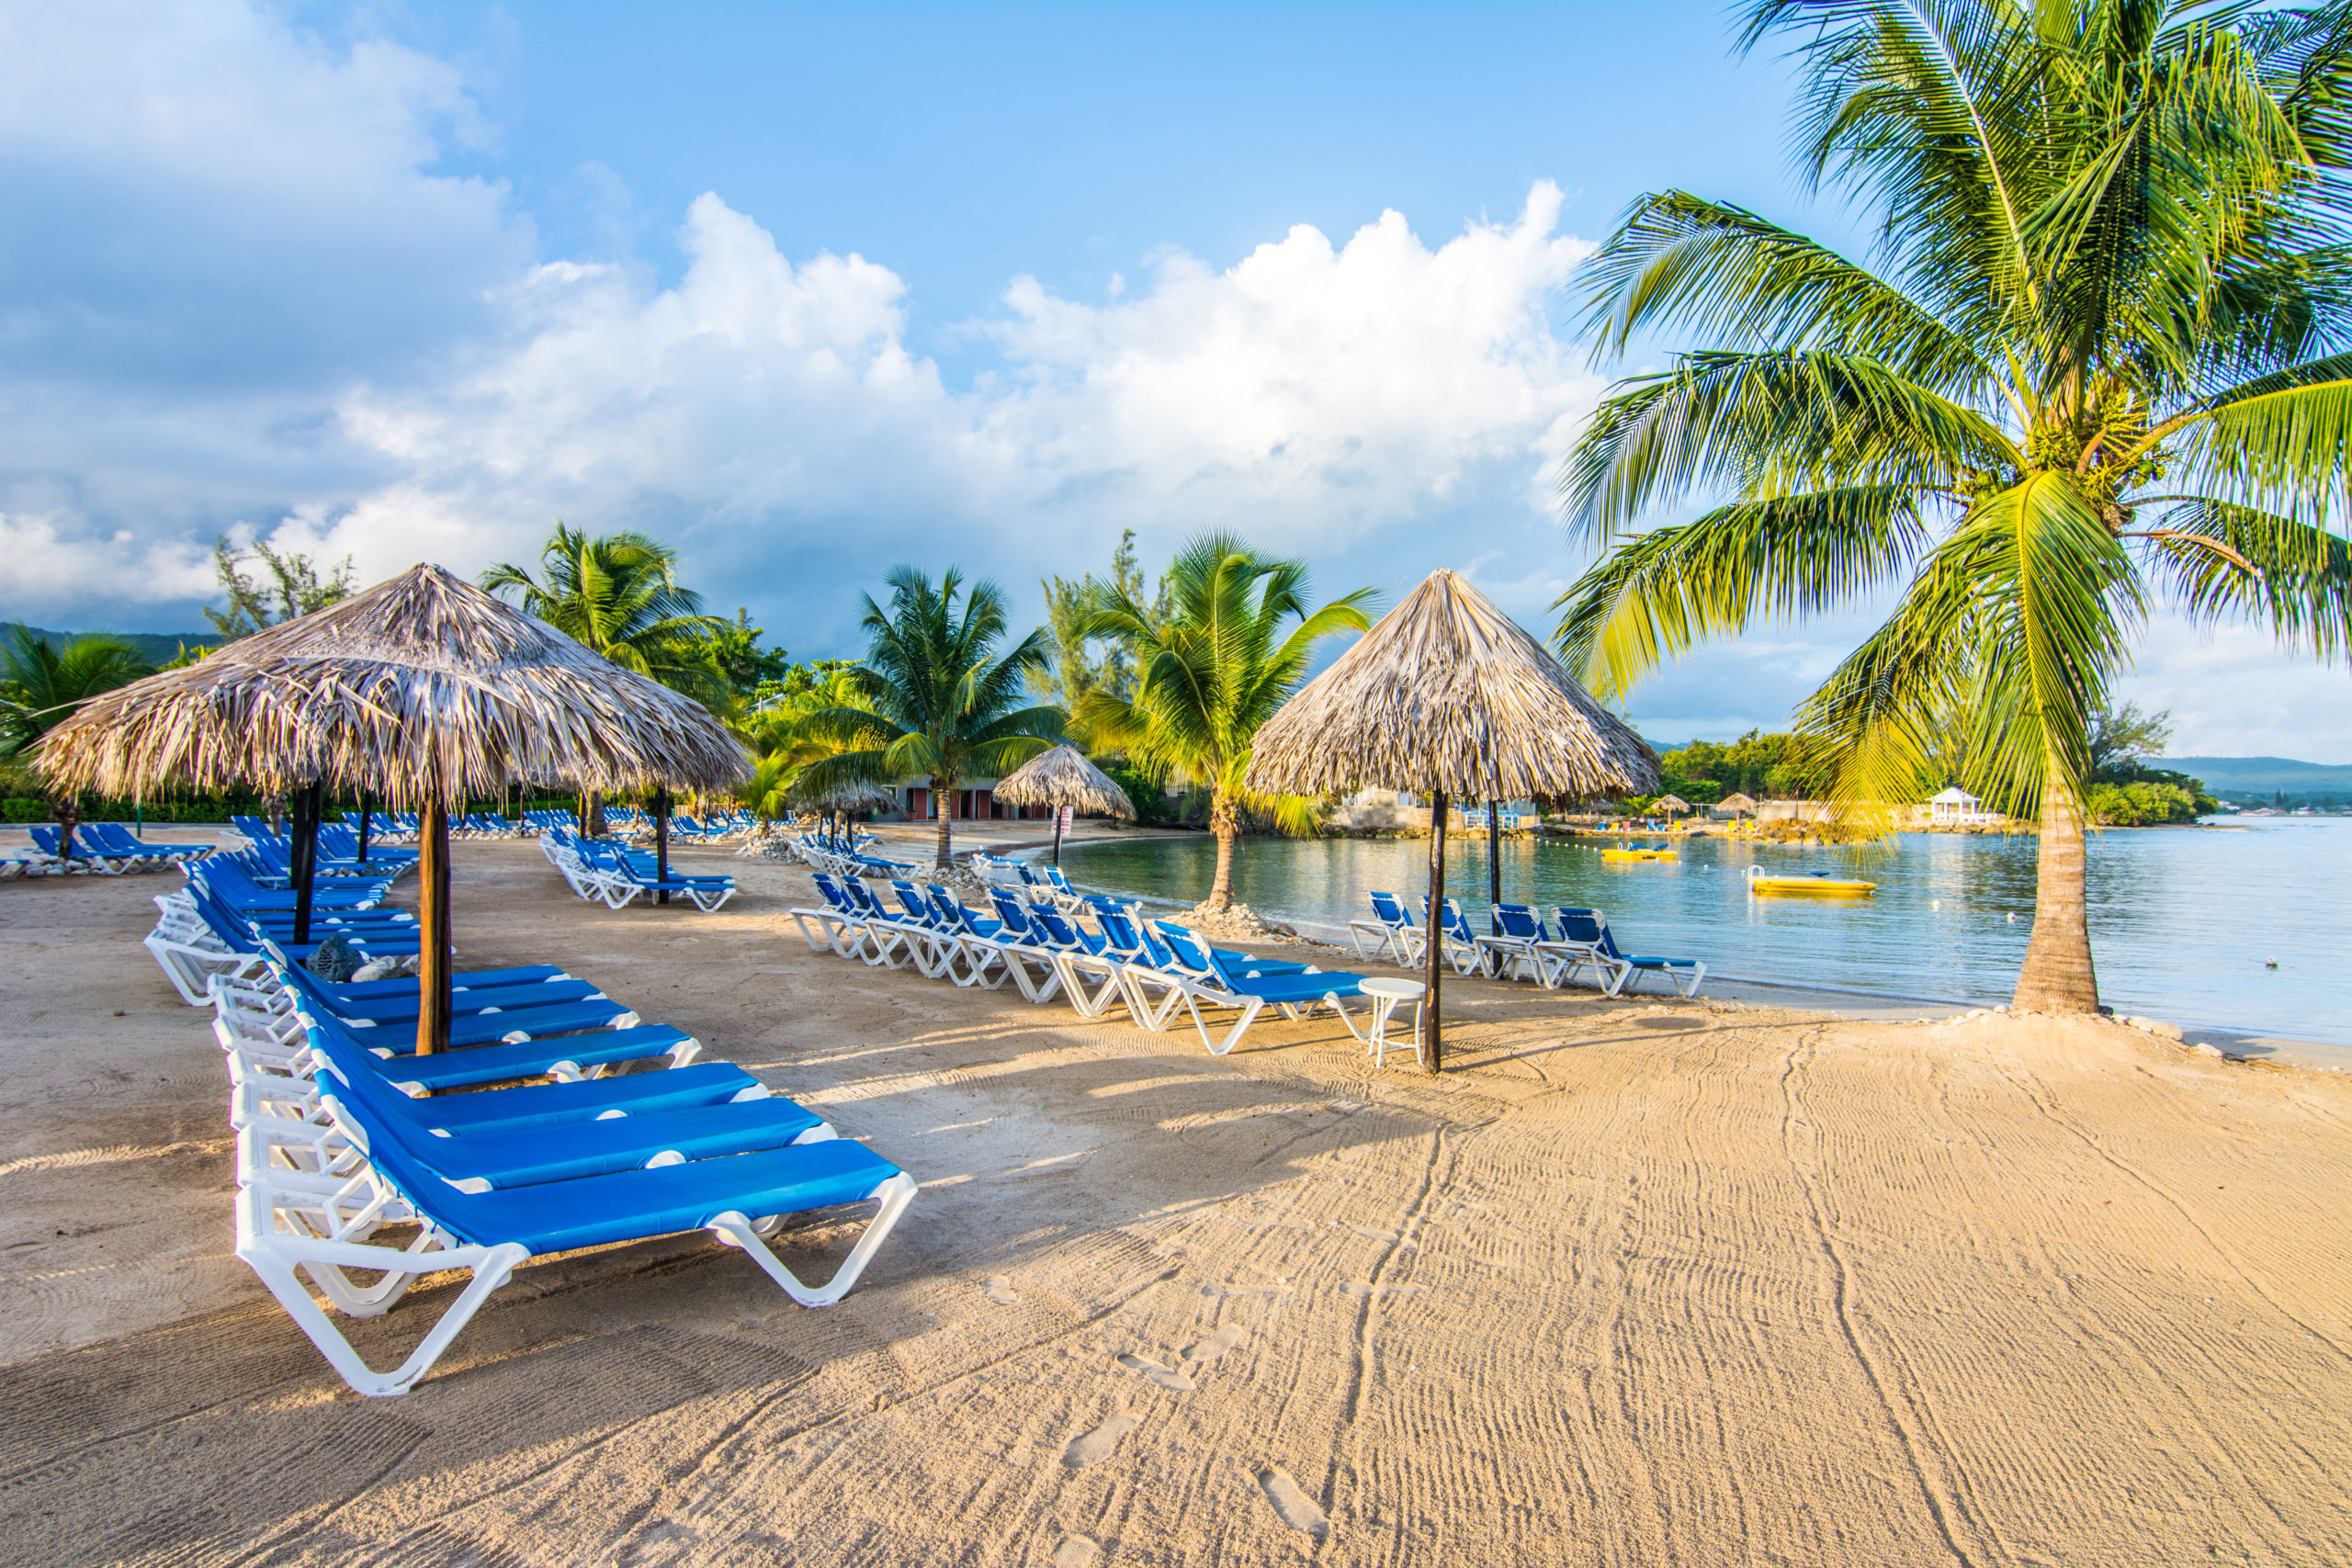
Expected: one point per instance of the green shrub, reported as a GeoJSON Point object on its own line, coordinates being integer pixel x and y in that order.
{"type": "Point", "coordinates": [19, 809]}
{"type": "Point", "coordinates": [2142, 805]}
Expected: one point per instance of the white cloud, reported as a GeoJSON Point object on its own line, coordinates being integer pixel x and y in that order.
{"type": "Point", "coordinates": [48, 566]}
{"type": "Point", "coordinates": [2232, 693]}
{"type": "Point", "coordinates": [1318, 396]}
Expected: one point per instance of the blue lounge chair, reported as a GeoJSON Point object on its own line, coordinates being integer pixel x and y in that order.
{"type": "Point", "coordinates": [478, 1159]}
{"type": "Point", "coordinates": [562, 1056]}
{"type": "Point", "coordinates": [1208, 983]}
{"type": "Point", "coordinates": [119, 838]}
{"type": "Point", "coordinates": [283, 1225]}
{"type": "Point", "coordinates": [1461, 943]}
{"type": "Point", "coordinates": [1585, 933]}
{"type": "Point", "coordinates": [1027, 957]}
{"type": "Point", "coordinates": [1391, 931]}
{"type": "Point", "coordinates": [1092, 977]}
{"type": "Point", "coordinates": [1519, 945]}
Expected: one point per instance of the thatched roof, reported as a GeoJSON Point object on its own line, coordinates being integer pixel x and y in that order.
{"type": "Point", "coordinates": [1669, 803]}
{"type": "Point", "coordinates": [845, 797]}
{"type": "Point", "coordinates": [421, 684]}
{"type": "Point", "coordinates": [1738, 803]}
{"type": "Point", "coordinates": [1447, 693]}
{"type": "Point", "coordinates": [1063, 777]}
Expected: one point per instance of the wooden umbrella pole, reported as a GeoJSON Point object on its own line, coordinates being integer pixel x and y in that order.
{"type": "Point", "coordinates": [1434, 945]}
{"type": "Point", "coordinates": [432, 916]}
{"type": "Point", "coordinates": [1057, 835]}
{"type": "Point", "coordinates": [303, 863]}
{"type": "Point", "coordinates": [1493, 864]}
{"type": "Point", "coordinates": [367, 815]}
{"type": "Point", "coordinates": [661, 840]}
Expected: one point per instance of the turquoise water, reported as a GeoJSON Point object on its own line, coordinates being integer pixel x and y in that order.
{"type": "Point", "coordinates": [2182, 921]}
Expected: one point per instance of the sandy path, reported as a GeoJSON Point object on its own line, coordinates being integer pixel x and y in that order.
{"type": "Point", "coordinates": [1645, 1284]}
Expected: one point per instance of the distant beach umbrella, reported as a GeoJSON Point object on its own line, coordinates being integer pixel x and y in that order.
{"type": "Point", "coordinates": [1671, 805]}
{"type": "Point", "coordinates": [843, 798]}
{"type": "Point", "coordinates": [1446, 696]}
{"type": "Point", "coordinates": [423, 689]}
{"type": "Point", "coordinates": [1739, 806]}
{"type": "Point", "coordinates": [1063, 776]}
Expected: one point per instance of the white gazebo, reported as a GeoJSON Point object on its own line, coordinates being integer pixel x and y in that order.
{"type": "Point", "coordinates": [1956, 807]}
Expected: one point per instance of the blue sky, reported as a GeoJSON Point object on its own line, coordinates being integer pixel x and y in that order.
{"type": "Point", "coordinates": [811, 291]}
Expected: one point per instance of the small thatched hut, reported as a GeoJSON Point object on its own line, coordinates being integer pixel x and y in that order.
{"type": "Point", "coordinates": [1063, 776]}
{"type": "Point", "coordinates": [423, 689]}
{"type": "Point", "coordinates": [1447, 698]}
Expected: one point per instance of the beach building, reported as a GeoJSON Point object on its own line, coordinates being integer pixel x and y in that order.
{"type": "Point", "coordinates": [1955, 807]}
{"type": "Point", "coordinates": [972, 800]}
{"type": "Point", "coordinates": [1401, 810]}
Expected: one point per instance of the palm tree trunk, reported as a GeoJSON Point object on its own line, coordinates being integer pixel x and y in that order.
{"type": "Point", "coordinates": [592, 820]}
{"type": "Point", "coordinates": [943, 804]}
{"type": "Point", "coordinates": [2058, 975]}
{"type": "Point", "coordinates": [1226, 825]}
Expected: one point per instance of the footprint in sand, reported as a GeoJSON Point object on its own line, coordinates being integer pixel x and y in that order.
{"type": "Point", "coordinates": [1298, 1510]}
{"type": "Point", "coordinates": [1168, 1378]}
{"type": "Point", "coordinates": [1076, 1551]}
{"type": "Point", "coordinates": [1209, 1350]}
{"type": "Point", "coordinates": [998, 1289]}
{"type": "Point", "coordinates": [1095, 1446]}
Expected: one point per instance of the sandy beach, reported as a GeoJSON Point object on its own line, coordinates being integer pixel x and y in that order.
{"type": "Point", "coordinates": [1641, 1283]}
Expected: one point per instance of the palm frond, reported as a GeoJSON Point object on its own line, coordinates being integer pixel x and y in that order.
{"type": "Point", "coordinates": [1670, 589]}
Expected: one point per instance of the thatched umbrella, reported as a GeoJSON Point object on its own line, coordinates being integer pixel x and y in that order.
{"type": "Point", "coordinates": [1670, 804]}
{"type": "Point", "coordinates": [423, 690]}
{"type": "Point", "coordinates": [1064, 777]}
{"type": "Point", "coordinates": [1447, 698]}
{"type": "Point", "coordinates": [1739, 804]}
{"type": "Point", "coordinates": [841, 798]}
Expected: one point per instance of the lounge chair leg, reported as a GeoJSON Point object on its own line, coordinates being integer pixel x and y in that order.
{"type": "Point", "coordinates": [735, 1229]}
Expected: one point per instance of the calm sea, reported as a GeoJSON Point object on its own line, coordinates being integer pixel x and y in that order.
{"type": "Point", "coordinates": [2182, 921]}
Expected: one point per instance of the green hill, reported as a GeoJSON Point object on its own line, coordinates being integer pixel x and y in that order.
{"type": "Point", "coordinates": [154, 646]}
{"type": "Point", "coordinates": [2265, 776]}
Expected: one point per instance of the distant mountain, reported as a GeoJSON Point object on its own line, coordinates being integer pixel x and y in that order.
{"type": "Point", "coordinates": [2226, 775]}
{"type": "Point", "coordinates": [154, 646]}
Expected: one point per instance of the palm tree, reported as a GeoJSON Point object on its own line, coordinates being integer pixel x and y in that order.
{"type": "Point", "coordinates": [942, 697]}
{"type": "Point", "coordinates": [39, 685]}
{"type": "Point", "coordinates": [618, 594]}
{"type": "Point", "coordinates": [2101, 365]}
{"type": "Point", "coordinates": [784, 741]}
{"type": "Point", "coordinates": [1211, 668]}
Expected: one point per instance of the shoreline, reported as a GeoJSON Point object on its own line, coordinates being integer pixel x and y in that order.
{"type": "Point", "coordinates": [2248, 1041]}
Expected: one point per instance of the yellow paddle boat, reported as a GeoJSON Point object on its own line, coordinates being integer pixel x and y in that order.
{"type": "Point", "coordinates": [1820, 885]}
{"type": "Point", "coordinates": [1643, 851]}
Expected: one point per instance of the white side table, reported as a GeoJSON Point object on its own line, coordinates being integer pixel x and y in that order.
{"type": "Point", "coordinates": [1387, 995]}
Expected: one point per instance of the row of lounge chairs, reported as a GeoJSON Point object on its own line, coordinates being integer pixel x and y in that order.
{"type": "Point", "coordinates": [403, 827]}
{"type": "Point", "coordinates": [711, 829]}
{"type": "Point", "coordinates": [618, 875]}
{"type": "Point", "coordinates": [361, 1171]}
{"type": "Point", "coordinates": [844, 856]}
{"type": "Point", "coordinates": [1028, 881]}
{"type": "Point", "coordinates": [107, 849]}
{"type": "Point", "coordinates": [1152, 968]}
{"type": "Point", "coordinates": [359, 1168]}
{"type": "Point", "coordinates": [218, 924]}
{"type": "Point", "coordinates": [1520, 945]}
